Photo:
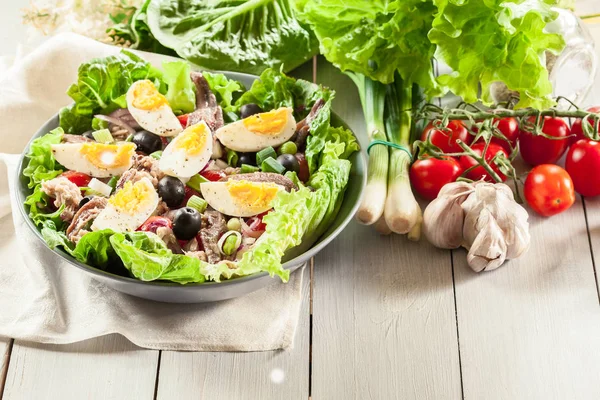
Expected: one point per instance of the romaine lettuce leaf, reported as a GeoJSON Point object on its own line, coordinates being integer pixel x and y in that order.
{"type": "Point", "coordinates": [181, 93]}
{"type": "Point", "coordinates": [223, 88]}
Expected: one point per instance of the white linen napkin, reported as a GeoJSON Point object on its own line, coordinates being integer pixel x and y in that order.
{"type": "Point", "coordinates": [43, 299]}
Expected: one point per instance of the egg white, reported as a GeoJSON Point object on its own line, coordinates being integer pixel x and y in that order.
{"type": "Point", "coordinates": [238, 137]}
{"type": "Point", "coordinates": [179, 161]}
{"type": "Point", "coordinates": [73, 157]}
{"type": "Point", "coordinates": [218, 196]}
{"type": "Point", "coordinates": [161, 120]}
{"type": "Point", "coordinates": [120, 219]}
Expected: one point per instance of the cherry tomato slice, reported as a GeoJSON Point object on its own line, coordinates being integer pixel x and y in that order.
{"type": "Point", "coordinates": [213, 175]}
{"type": "Point", "coordinates": [446, 139]}
{"type": "Point", "coordinates": [479, 172]}
{"type": "Point", "coordinates": [549, 190]}
{"type": "Point", "coordinates": [78, 178]}
{"type": "Point", "coordinates": [428, 176]}
{"type": "Point", "coordinates": [155, 222]}
{"type": "Point", "coordinates": [583, 164]}
{"type": "Point", "coordinates": [577, 128]}
{"type": "Point", "coordinates": [183, 119]}
{"type": "Point", "coordinates": [537, 150]}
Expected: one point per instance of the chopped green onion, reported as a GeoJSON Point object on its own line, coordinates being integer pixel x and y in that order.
{"type": "Point", "coordinates": [113, 182]}
{"type": "Point", "coordinates": [288, 148]}
{"type": "Point", "coordinates": [100, 187]}
{"type": "Point", "coordinates": [264, 154]}
{"type": "Point", "coordinates": [103, 136]}
{"type": "Point", "coordinates": [195, 182]}
{"type": "Point", "coordinates": [232, 157]}
{"type": "Point", "coordinates": [98, 124]}
{"type": "Point", "coordinates": [197, 203]}
{"type": "Point", "coordinates": [248, 169]}
{"type": "Point", "coordinates": [229, 242]}
{"type": "Point", "coordinates": [129, 138]}
{"type": "Point", "coordinates": [272, 165]}
{"type": "Point", "coordinates": [234, 224]}
{"type": "Point", "coordinates": [156, 155]}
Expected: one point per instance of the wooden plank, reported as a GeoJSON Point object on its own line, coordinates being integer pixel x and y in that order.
{"type": "Point", "coordinates": [109, 367]}
{"type": "Point", "coordinates": [5, 347]}
{"type": "Point", "coordinates": [383, 307]}
{"type": "Point", "coordinates": [272, 375]}
{"type": "Point", "coordinates": [531, 329]}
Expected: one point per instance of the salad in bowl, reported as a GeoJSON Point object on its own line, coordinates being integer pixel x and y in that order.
{"type": "Point", "coordinates": [174, 175]}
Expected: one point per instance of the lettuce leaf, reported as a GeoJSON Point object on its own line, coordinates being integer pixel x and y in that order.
{"type": "Point", "coordinates": [244, 36]}
{"type": "Point", "coordinates": [181, 93]}
{"type": "Point", "coordinates": [223, 88]}
{"type": "Point", "coordinates": [462, 31]}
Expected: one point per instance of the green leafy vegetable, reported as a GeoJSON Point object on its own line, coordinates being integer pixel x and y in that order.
{"type": "Point", "coordinates": [180, 93]}
{"type": "Point", "coordinates": [223, 88]}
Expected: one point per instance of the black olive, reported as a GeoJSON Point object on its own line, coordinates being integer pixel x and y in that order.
{"type": "Point", "coordinates": [147, 142]}
{"type": "Point", "coordinates": [246, 158]}
{"type": "Point", "coordinates": [171, 190]}
{"type": "Point", "coordinates": [89, 135]}
{"type": "Point", "coordinates": [289, 162]}
{"type": "Point", "coordinates": [85, 200]}
{"type": "Point", "coordinates": [248, 110]}
{"type": "Point", "coordinates": [187, 223]}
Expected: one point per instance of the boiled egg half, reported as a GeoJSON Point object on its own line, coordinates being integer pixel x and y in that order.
{"type": "Point", "coordinates": [151, 109]}
{"type": "Point", "coordinates": [258, 131]}
{"type": "Point", "coordinates": [240, 198]}
{"type": "Point", "coordinates": [128, 208]}
{"type": "Point", "coordinates": [99, 160]}
{"type": "Point", "coordinates": [188, 153]}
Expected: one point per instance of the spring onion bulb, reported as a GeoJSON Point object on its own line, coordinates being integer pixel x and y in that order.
{"type": "Point", "coordinates": [381, 226]}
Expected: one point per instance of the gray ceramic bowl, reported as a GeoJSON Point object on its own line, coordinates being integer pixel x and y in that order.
{"type": "Point", "coordinates": [211, 291]}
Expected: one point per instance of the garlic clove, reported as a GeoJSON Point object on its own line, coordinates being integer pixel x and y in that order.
{"type": "Point", "coordinates": [488, 249]}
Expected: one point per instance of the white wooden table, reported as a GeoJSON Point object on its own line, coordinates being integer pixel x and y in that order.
{"type": "Point", "coordinates": [382, 318]}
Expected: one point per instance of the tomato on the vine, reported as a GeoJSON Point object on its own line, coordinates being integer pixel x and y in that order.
{"type": "Point", "coordinates": [479, 172]}
{"type": "Point", "coordinates": [429, 175]}
{"type": "Point", "coordinates": [583, 164]}
{"type": "Point", "coordinates": [577, 128]}
{"type": "Point", "coordinates": [78, 178]}
{"type": "Point", "coordinates": [446, 139]}
{"type": "Point", "coordinates": [537, 149]}
{"type": "Point", "coordinates": [549, 190]}
{"type": "Point", "coordinates": [509, 126]}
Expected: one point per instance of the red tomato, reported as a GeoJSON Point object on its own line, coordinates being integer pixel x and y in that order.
{"type": "Point", "coordinates": [155, 222]}
{"type": "Point", "coordinates": [537, 150]}
{"type": "Point", "coordinates": [183, 119]}
{"type": "Point", "coordinates": [78, 178]}
{"type": "Point", "coordinates": [446, 140]}
{"type": "Point", "coordinates": [303, 173]}
{"type": "Point", "coordinates": [583, 164]}
{"type": "Point", "coordinates": [428, 176]}
{"type": "Point", "coordinates": [479, 172]}
{"type": "Point", "coordinates": [213, 175]}
{"type": "Point", "coordinates": [577, 129]}
{"type": "Point", "coordinates": [549, 190]}
{"type": "Point", "coordinates": [509, 127]}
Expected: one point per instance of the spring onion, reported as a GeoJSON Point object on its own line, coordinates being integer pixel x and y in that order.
{"type": "Point", "coordinates": [197, 203]}
{"type": "Point", "coordinates": [195, 182]}
{"type": "Point", "coordinates": [103, 136]}
{"type": "Point", "coordinates": [113, 182]}
{"type": "Point", "coordinates": [272, 165]}
{"type": "Point", "coordinates": [264, 154]}
{"type": "Point", "coordinates": [156, 155]}
{"type": "Point", "coordinates": [229, 242]}
{"type": "Point", "coordinates": [98, 188]}
{"type": "Point", "coordinates": [232, 157]}
{"type": "Point", "coordinates": [248, 169]}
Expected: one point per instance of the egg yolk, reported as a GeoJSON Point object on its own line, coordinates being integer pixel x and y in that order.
{"type": "Point", "coordinates": [252, 194]}
{"type": "Point", "coordinates": [269, 123]}
{"type": "Point", "coordinates": [193, 139]}
{"type": "Point", "coordinates": [107, 156]}
{"type": "Point", "coordinates": [132, 197]}
{"type": "Point", "coordinates": [147, 97]}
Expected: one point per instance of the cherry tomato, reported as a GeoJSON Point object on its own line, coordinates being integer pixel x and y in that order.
{"type": "Point", "coordinates": [549, 190]}
{"type": "Point", "coordinates": [577, 129]}
{"type": "Point", "coordinates": [446, 140]}
{"type": "Point", "coordinates": [256, 223]}
{"type": "Point", "coordinates": [428, 176]}
{"type": "Point", "coordinates": [509, 127]}
{"type": "Point", "coordinates": [155, 222]}
{"type": "Point", "coordinates": [303, 173]}
{"type": "Point", "coordinates": [213, 175]}
{"type": "Point", "coordinates": [164, 141]}
{"type": "Point", "coordinates": [537, 150]}
{"type": "Point", "coordinates": [583, 164]}
{"type": "Point", "coordinates": [183, 119]}
{"type": "Point", "coordinates": [189, 192]}
{"type": "Point", "coordinates": [78, 178]}
{"type": "Point", "coordinates": [479, 172]}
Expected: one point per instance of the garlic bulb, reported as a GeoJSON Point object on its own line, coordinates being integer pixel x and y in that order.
{"type": "Point", "coordinates": [482, 217]}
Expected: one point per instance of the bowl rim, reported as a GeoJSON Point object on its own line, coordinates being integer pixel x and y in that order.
{"type": "Point", "coordinates": [300, 259]}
